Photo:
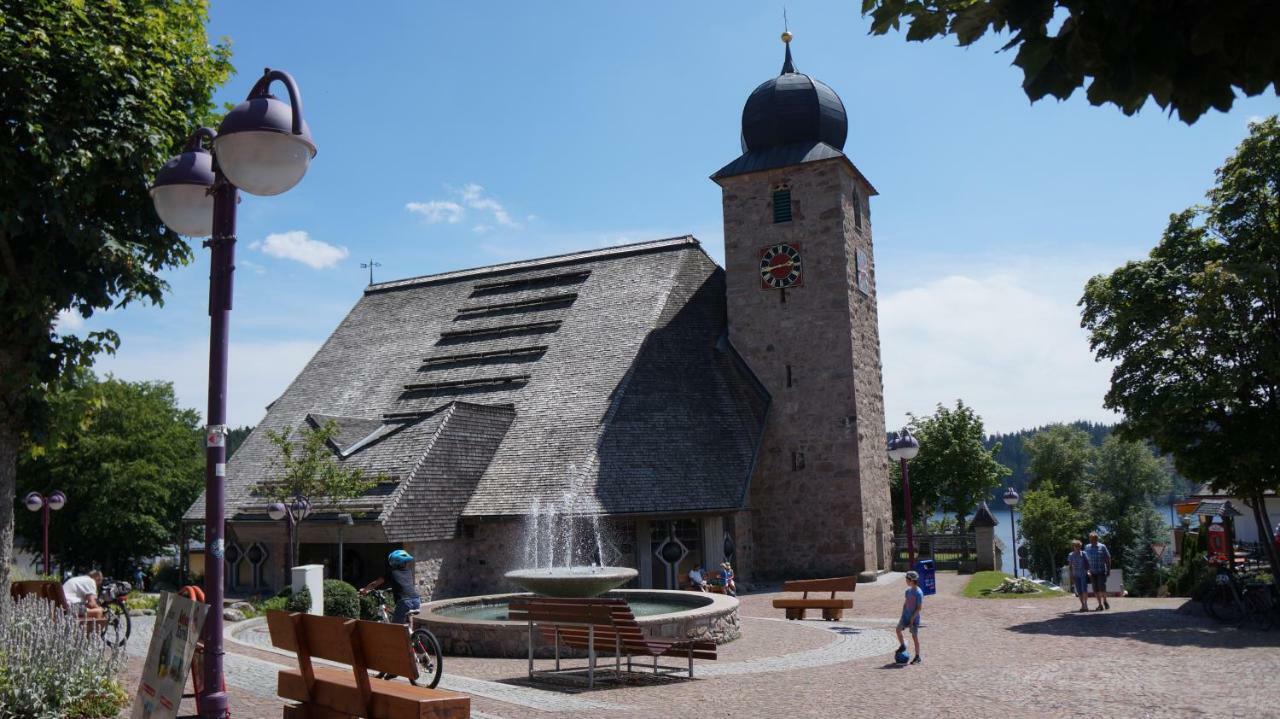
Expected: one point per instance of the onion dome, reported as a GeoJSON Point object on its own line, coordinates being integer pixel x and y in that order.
{"type": "Point", "coordinates": [793, 108]}
{"type": "Point", "coordinates": [788, 120]}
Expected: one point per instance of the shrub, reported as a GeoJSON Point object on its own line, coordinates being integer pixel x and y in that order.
{"type": "Point", "coordinates": [142, 601]}
{"type": "Point", "coordinates": [276, 602]}
{"type": "Point", "coordinates": [51, 667]}
{"type": "Point", "coordinates": [370, 608]}
{"type": "Point", "coordinates": [1021, 585]}
{"type": "Point", "coordinates": [341, 599]}
{"type": "Point", "coordinates": [299, 601]}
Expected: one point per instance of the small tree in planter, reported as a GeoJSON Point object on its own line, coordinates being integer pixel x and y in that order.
{"type": "Point", "coordinates": [304, 470]}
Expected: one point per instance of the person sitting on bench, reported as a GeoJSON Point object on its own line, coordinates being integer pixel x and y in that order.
{"type": "Point", "coordinates": [82, 595]}
{"type": "Point", "coordinates": [696, 579]}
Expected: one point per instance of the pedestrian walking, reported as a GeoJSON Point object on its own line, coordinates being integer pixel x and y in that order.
{"type": "Point", "coordinates": [1099, 568]}
{"type": "Point", "coordinates": [1078, 573]}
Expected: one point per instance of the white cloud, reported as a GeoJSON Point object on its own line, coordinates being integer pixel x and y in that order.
{"type": "Point", "coordinates": [68, 322]}
{"type": "Point", "coordinates": [437, 211]}
{"type": "Point", "coordinates": [1009, 345]}
{"type": "Point", "coordinates": [471, 197]}
{"type": "Point", "coordinates": [298, 246]}
{"type": "Point", "coordinates": [476, 199]}
{"type": "Point", "coordinates": [259, 371]}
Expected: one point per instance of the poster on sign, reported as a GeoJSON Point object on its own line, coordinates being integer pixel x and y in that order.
{"type": "Point", "coordinates": [177, 628]}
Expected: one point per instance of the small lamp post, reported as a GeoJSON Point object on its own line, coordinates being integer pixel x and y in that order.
{"type": "Point", "coordinates": [262, 146]}
{"type": "Point", "coordinates": [1011, 498]}
{"type": "Point", "coordinates": [902, 448]}
{"type": "Point", "coordinates": [344, 520]}
{"type": "Point", "coordinates": [37, 502]}
{"type": "Point", "coordinates": [292, 513]}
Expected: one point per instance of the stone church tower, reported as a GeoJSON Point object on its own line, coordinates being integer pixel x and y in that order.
{"type": "Point", "coordinates": [801, 302]}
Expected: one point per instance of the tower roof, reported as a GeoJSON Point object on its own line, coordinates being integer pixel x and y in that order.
{"type": "Point", "coordinates": [793, 108]}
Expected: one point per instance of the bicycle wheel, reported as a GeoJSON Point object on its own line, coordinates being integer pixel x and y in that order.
{"type": "Point", "coordinates": [115, 630]}
{"type": "Point", "coordinates": [426, 650]}
{"type": "Point", "coordinates": [1224, 606]}
{"type": "Point", "coordinates": [1257, 604]}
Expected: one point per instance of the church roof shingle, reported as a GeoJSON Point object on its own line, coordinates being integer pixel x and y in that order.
{"type": "Point", "coordinates": [601, 376]}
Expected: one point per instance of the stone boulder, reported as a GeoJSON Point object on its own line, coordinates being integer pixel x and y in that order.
{"type": "Point", "coordinates": [233, 615]}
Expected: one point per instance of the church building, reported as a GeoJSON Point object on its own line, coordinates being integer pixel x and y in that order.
{"type": "Point", "coordinates": [695, 413]}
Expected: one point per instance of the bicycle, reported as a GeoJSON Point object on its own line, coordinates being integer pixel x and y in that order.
{"type": "Point", "coordinates": [425, 646]}
{"type": "Point", "coordinates": [1262, 605]}
{"type": "Point", "coordinates": [116, 625]}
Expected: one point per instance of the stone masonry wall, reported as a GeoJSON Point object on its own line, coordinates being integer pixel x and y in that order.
{"type": "Point", "coordinates": [821, 478]}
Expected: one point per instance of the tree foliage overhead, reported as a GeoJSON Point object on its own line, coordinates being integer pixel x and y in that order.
{"type": "Point", "coordinates": [94, 97]}
{"type": "Point", "coordinates": [130, 461]}
{"type": "Point", "coordinates": [1194, 330]}
{"type": "Point", "coordinates": [1187, 55]}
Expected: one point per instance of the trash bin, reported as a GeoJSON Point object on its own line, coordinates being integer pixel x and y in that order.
{"type": "Point", "coordinates": [928, 583]}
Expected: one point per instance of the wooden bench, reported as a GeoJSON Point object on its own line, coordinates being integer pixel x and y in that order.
{"type": "Point", "coordinates": [52, 592]}
{"type": "Point", "coordinates": [832, 607]}
{"type": "Point", "coordinates": [325, 692]}
{"type": "Point", "coordinates": [600, 625]}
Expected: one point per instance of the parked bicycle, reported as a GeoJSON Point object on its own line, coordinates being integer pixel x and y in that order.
{"type": "Point", "coordinates": [425, 646]}
{"type": "Point", "coordinates": [116, 623]}
{"type": "Point", "coordinates": [1234, 598]}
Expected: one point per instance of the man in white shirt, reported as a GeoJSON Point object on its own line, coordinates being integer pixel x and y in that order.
{"type": "Point", "coordinates": [82, 595]}
{"type": "Point", "coordinates": [696, 579]}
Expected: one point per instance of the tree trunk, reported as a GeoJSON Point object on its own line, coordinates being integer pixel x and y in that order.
{"type": "Point", "coordinates": [1264, 535]}
{"type": "Point", "coordinates": [8, 488]}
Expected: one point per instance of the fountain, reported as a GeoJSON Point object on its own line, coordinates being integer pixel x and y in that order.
{"type": "Point", "coordinates": [552, 535]}
{"type": "Point", "coordinates": [567, 553]}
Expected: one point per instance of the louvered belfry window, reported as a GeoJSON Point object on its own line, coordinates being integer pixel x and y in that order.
{"type": "Point", "coordinates": [782, 205]}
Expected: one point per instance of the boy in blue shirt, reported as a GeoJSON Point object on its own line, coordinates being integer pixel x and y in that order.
{"type": "Point", "coordinates": [910, 619]}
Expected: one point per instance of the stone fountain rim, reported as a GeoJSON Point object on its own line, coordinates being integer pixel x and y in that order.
{"type": "Point", "coordinates": [718, 604]}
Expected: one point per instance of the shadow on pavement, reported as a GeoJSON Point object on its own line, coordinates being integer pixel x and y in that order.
{"type": "Point", "coordinates": [1169, 627]}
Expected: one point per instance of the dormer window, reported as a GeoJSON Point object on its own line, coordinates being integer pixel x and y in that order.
{"type": "Point", "coordinates": [782, 204]}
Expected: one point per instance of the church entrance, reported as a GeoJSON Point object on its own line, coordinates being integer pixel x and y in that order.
{"type": "Point", "coordinates": [676, 548]}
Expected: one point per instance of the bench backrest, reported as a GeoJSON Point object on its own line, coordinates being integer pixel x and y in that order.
{"type": "Point", "coordinates": [43, 588]}
{"type": "Point", "coordinates": [361, 644]}
{"type": "Point", "coordinates": [610, 619]}
{"type": "Point", "coordinates": [833, 585]}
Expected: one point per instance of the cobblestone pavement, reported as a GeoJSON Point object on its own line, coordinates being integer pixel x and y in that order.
{"type": "Point", "coordinates": [983, 657]}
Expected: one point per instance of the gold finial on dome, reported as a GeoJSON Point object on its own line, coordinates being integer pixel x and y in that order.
{"type": "Point", "coordinates": [786, 36]}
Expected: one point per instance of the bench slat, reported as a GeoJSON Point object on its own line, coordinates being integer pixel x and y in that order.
{"type": "Point", "coordinates": [834, 584]}
{"type": "Point", "coordinates": [336, 689]}
{"type": "Point", "coordinates": [813, 604]}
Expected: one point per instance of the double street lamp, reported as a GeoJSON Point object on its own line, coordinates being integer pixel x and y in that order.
{"type": "Point", "coordinates": [293, 512]}
{"type": "Point", "coordinates": [263, 147]}
{"type": "Point", "coordinates": [902, 448]}
{"type": "Point", "coordinates": [1011, 498]}
{"type": "Point", "coordinates": [37, 502]}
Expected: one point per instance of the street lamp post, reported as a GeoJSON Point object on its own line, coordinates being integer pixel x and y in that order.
{"type": "Point", "coordinates": [37, 502]}
{"type": "Point", "coordinates": [292, 513]}
{"type": "Point", "coordinates": [903, 447]}
{"type": "Point", "coordinates": [262, 146]}
{"type": "Point", "coordinates": [344, 520]}
{"type": "Point", "coordinates": [1011, 498]}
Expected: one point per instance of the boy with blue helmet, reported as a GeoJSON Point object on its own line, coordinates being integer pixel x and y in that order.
{"type": "Point", "coordinates": [399, 577]}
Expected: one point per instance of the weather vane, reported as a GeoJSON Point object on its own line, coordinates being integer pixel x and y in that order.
{"type": "Point", "coordinates": [370, 265]}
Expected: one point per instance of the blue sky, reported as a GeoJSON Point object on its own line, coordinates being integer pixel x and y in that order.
{"type": "Point", "coordinates": [464, 134]}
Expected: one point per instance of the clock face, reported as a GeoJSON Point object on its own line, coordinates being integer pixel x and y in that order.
{"type": "Point", "coordinates": [780, 266]}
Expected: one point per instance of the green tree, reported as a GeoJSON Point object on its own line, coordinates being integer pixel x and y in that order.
{"type": "Point", "coordinates": [1194, 331]}
{"type": "Point", "coordinates": [953, 468]}
{"type": "Point", "coordinates": [1062, 456]}
{"type": "Point", "coordinates": [1187, 56]}
{"type": "Point", "coordinates": [1048, 523]}
{"type": "Point", "coordinates": [1143, 571]}
{"type": "Point", "coordinates": [304, 466]}
{"type": "Point", "coordinates": [95, 97]}
{"type": "Point", "coordinates": [1126, 478]}
{"type": "Point", "coordinates": [130, 461]}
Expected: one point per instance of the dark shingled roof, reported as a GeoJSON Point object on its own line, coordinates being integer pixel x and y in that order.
{"type": "Point", "coordinates": [983, 517]}
{"type": "Point", "coordinates": [604, 376]}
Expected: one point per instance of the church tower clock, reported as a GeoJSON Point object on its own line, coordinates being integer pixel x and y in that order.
{"type": "Point", "coordinates": [801, 302]}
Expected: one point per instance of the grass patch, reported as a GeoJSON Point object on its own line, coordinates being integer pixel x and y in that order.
{"type": "Point", "coordinates": [980, 586]}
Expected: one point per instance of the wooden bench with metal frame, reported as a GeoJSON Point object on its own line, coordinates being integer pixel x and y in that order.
{"type": "Point", "coordinates": [602, 624]}
{"type": "Point", "coordinates": [51, 591]}
{"type": "Point", "coordinates": [325, 692]}
{"type": "Point", "coordinates": [832, 607]}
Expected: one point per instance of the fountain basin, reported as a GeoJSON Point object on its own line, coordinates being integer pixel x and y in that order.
{"type": "Point", "coordinates": [477, 626]}
{"type": "Point", "coordinates": [572, 581]}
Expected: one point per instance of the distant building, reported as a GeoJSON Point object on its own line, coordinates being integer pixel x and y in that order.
{"type": "Point", "coordinates": [697, 413]}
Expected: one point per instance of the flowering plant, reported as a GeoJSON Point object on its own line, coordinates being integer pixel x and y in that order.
{"type": "Point", "coordinates": [51, 667]}
{"type": "Point", "coordinates": [1019, 585]}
